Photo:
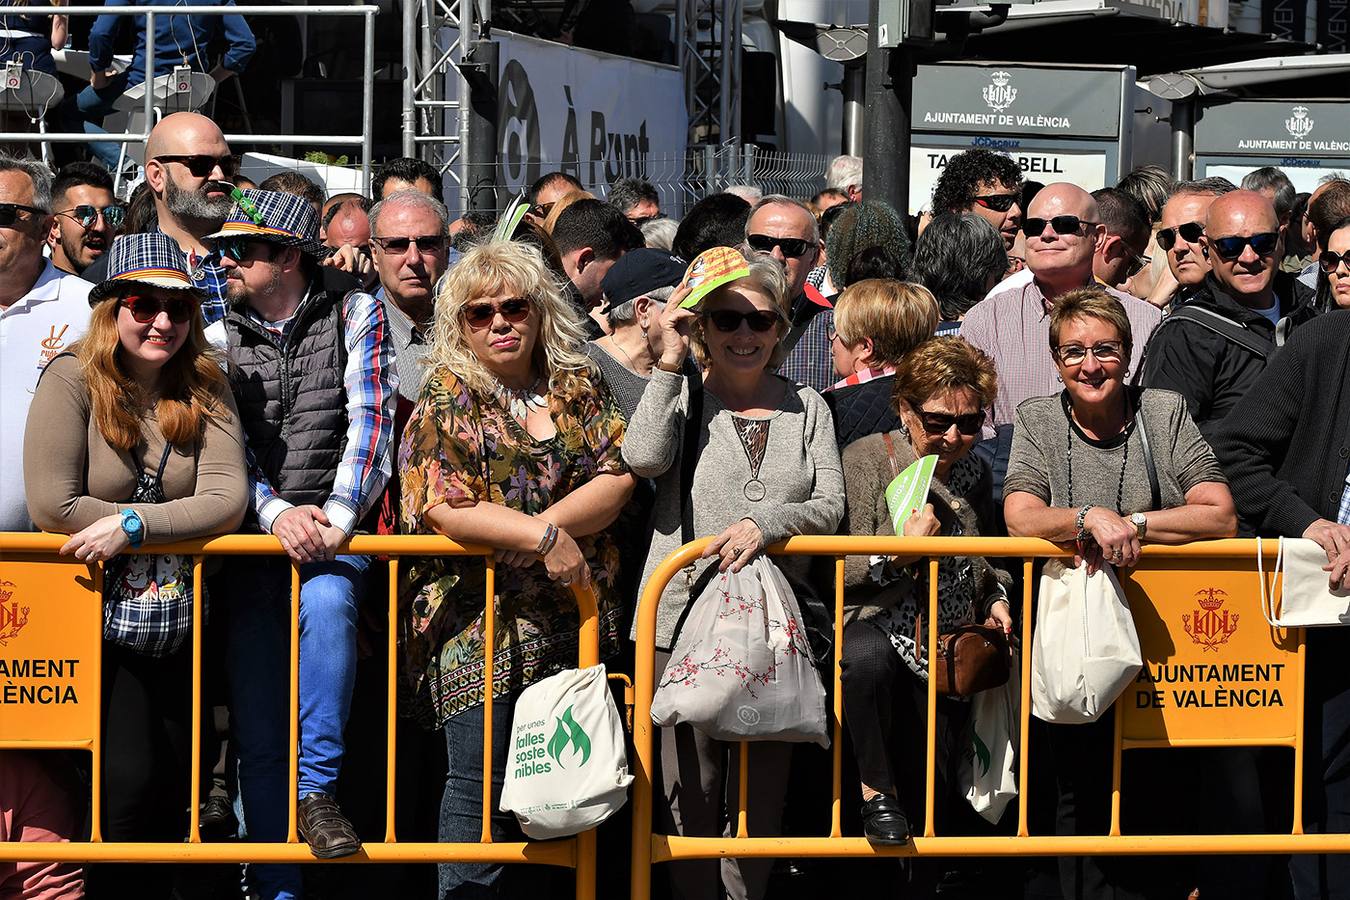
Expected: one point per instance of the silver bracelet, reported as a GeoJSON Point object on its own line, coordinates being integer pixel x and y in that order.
{"type": "Point", "coordinates": [1083, 535]}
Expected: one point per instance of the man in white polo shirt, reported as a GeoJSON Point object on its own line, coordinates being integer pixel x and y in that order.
{"type": "Point", "coordinates": [42, 312]}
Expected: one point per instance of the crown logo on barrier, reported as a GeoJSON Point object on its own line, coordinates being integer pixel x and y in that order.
{"type": "Point", "coordinates": [1210, 625]}
{"type": "Point", "coordinates": [12, 616]}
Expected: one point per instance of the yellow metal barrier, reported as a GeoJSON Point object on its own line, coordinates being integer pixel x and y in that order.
{"type": "Point", "coordinates": [1197, 610]}
{"type": "Point", "coordinates": [51, 618]}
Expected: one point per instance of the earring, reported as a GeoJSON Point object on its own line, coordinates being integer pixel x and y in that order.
{"type": "Point", "coordinates": [643, 325]}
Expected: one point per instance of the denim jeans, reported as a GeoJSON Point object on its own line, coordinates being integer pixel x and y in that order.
{"type": "Point", "coordinates": [257, 591]}
{"type": "Point", "coordinates": [94, 105]}
{"type": "Point", "coordinates": [462, 810]}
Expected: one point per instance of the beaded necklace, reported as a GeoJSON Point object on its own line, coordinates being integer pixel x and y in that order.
{"type": "Point", "coordinates": [1125, 456]}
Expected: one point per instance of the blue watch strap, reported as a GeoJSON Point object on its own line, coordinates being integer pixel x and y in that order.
{"type": "Point", "coordinates": [133, 526]}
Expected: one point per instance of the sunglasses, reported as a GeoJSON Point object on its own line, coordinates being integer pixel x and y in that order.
{"type": "Point", "coordinates": [729, 320]}
{"type": "Point", "coordinates": [1138, 263]}
{"type": "Point", "coordinates": [792, 247]}
{"type": "Point", "coordinates": [237, 248]}
{"type": "Point", "coordinates": [201, 165]}
{"type": "Point", "coordinates": [1189, 231]}
{"type": "Point", "coordinates": [1230, 248]}
{"type": "Point", "coordinates": [643, 220]}
{"type": "Point", "coordinates": [1061, 225]}
{"type": "Point", "coordinates": [146, 309]}
{"type": "Point", "coordinates": [9, 213]}
{"type": "Point", "coordinates": [997, 202]}
{"type": "Point", "coordinates": [87, 215]}
{"type": "Point", "coordinates": [541, 210]}
{"type": "Point", "coordinates": [426, 243]}
{"type": "Point", "coordinates": [940, 423]}
{"type": "Point", "coordinates": [1076, 354]}
{"type": "Point", "coordinates": [1331, 262]}
{"type": "Point", "coordinates": [480, 315]}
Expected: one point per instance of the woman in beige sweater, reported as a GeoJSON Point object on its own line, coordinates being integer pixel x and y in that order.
{"type": "Point", "coordinates": [134, 438]}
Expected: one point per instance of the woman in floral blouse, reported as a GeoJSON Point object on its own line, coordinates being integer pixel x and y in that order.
{"type": "Point", "coordinates": [514, 444]}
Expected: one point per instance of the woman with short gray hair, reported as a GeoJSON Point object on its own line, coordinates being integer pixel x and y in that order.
{"type": "Point", "coordinates": [959, 257]}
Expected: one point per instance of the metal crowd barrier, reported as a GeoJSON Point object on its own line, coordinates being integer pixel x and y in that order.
{"type": "Point", "coordinates": [1197, 610]}
{"type": "Point", "coordinates": [363, 140]}
{"type": "Point", "coordinates": [51, 612]}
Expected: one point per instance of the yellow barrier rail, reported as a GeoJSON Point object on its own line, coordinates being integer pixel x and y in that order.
{"type": "Point", "coordinates": [22, 556]}
{"type": "Point", "coordinates": [1177, 595]}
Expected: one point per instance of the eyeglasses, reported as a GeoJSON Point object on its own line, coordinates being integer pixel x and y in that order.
{"type": "Point", "coordinates": [1263, 244]}
{"type": "Point", "coordinates": [86, 215]}
{"type": "Point", "coordinates": [729, 320]}
{"type": "Point", "coordinates": [940, 423]}
{"type": "Point", "coordinates": [1076, 354]}
{"type": "Point", "coordinates": [764, 243]}
{"type": "Point", "coordinates": [480, 315]}
{"type": "Point", "coordinates": [146, 309]}
{"type": "Point", "coordinates": [201, 164]}
{"type": "Point", "coordinates": [1331, 262]}
{"type": "Point", "coordinates": [426, 243]}
{"type": "Point", "coordinates": [1138, 262]}
{"type": "Point", "coordinates": [1189, 231]}
{"type": "Point", "coordinates": [1061, 225]}
{"type": "Point", "coordinates": [997, 202]}
{"type": "Point", "coordinates": [237, 248]}
{"type": "Point", "coordinates": [643, 220]}
{"type": "Point", "coordinates": [9, 213]}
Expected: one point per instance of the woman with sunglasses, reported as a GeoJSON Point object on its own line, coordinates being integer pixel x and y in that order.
{"type": "Point", "coordinates": [1333, 285]}
{"type": "Point", "coordinates": [514, 444]}
{"type": "Point", "coordinates": [1105, 468]}
{"type": "Point", "coordinates": [942, 389]}
{"type": "Point", "coordinates": [751, 458]}
{"type": "Point", "coordinates": [134, 439]}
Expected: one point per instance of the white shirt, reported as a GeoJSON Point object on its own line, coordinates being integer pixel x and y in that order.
{"type": "Point", "coordinates": [33, 331]}
{"type": "Point", "coordinates": [1019, 279]}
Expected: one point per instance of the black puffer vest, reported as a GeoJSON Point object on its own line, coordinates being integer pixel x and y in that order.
{"type": "Point", "coordinates": [292, 401]}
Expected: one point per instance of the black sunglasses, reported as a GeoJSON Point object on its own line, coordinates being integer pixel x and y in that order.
{"type": "Point", "coordinates": [1229, 248]}
{"type": "Point", "coordinates": [237, 247]}
{"type": "Point", "coordinates": [764, 243]}
{"type": "Point", "coordinates": [729, 320]}
{"type": "Point", "coordinates": [1059, 224]}
{"type": "Point", "coordinates": [939, 423]}
{"type": "Point", "coordinates": [1331, 262]}
{"type": "Point", "coordinates": [9, 213]}
{"type": "Point", "coordinates": [201, 164]}
{"type": "Point", "coordinates": [997, 202]}
{"type": "Point", "coordinates": [146, 309]}
{"type": "Point", "coordinates": [1189, 231]}
{"type": "Point", "coordinates": [86, 215]}
{"type": "Point", "coordinates": [480, 315]}
{"type": "Point", "coordinates": [426, 243]}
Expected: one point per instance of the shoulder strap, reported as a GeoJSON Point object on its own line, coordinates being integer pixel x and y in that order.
{"type": "Point", "coordinates": [1224, 327]}
{"type": "Point", "coordinates": [799, 328]}
{"type": "Point", "coordinates": [1154, 491]}
{"type": "Point", "coordinates": [890, 453]}
{"type": "Point", "coordinates": [163, 461]}
{"type": "Point", "coordinates": [693, 423]}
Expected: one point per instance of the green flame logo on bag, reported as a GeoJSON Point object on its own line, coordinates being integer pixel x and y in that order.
{"type": "Point", "coordinates": [568, 733]}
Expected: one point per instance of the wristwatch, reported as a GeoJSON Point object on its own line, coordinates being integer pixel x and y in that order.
{"type": "Point", "coordinates": [1140, 523]}
{"type": "Point", "coordinates": [133, 526]}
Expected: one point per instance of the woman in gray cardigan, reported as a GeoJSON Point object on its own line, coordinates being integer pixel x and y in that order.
{"type": "Point", "coordinates": [942, 389]}
{"type": "Point", "coordinates": [767, 468]}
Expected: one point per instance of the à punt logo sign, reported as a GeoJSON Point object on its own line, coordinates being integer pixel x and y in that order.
{"type": "Point", "coordinates": [13, 617]}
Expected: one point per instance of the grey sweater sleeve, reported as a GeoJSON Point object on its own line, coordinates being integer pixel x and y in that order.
{"type": "Point", "coordinates": [1028, 464]}
{"type": "Point", "coordinates": [651, 445]}
{"type": "Point", "coordinates": [822, 512]}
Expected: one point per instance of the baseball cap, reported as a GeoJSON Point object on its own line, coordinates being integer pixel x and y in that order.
{"type": "Point", "coordinates": [640, 272]}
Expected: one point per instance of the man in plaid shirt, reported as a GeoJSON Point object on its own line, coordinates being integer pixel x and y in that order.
{"type": "Point", "coordinates": [311, 365]}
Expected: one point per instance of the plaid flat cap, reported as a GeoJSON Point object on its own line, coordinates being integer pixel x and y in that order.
{"type": "Point", "coordinates": [277, 217]}
{"type": "Point", "coordinates": [143, 259]}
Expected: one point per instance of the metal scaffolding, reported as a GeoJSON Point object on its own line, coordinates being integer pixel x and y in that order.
{"type": "Point", "coordinates": [708, 47]}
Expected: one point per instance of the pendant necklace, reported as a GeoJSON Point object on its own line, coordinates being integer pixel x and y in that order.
{"type": "Point", "coordinates": [754, 435]}
{"type": "Point", "coordinates": [520, 401]}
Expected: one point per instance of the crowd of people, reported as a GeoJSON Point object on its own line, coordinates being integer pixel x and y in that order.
{"type": "Point", "coordinates": [1104, 370]}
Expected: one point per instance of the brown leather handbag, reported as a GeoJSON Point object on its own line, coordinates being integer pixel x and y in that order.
{"type": "Point", "coordinates": [971, 658]}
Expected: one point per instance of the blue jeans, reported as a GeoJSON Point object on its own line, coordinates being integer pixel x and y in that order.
{"type": "Point", "coordinates": [94, 104]}
{"type": "Point", "coordinates": [462, 810]}
{"type": "Point", "coordinates": [257, 590]}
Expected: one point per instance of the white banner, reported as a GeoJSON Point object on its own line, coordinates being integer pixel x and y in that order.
{"type": "Point", "coordinates": [1087, 169]}
{"type": "Point", "coordinates": [1305, 176]}
{"type": "Point", "coordinates": [595, 116]}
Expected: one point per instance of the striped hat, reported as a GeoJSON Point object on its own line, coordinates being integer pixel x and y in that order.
{"type": "Point", "coordinates": [273, 216]}
{"type": "Point", "coordinates": [143, 259]}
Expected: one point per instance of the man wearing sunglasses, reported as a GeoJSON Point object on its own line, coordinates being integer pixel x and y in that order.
{"type": "Point", "coordinates": [1120, 255]}
{"type": "Point", "coordinates": [42, 312]}
{"type": "Point", "coordinates": [1063, 236]}
{"type": "Point", "coordinates": [985, 183]}
{"type": "Point", "coordinates": [1212, 349]}
{"type": "Point", "coordinates": [312, 369]}
{"type": "Point", "coordinates": [1180, 227]}
{"type": "Point", "coordinates": [87, 218]}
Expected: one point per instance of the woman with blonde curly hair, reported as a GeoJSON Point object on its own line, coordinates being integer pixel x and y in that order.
{"type": "Point", "coordinates": [513, 444]}
{"type": "Point", "coordinates": [133, 438]}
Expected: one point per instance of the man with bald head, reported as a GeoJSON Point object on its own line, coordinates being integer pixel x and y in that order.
{"type": "Point", "coordinates": [190, 171]}
{"type": "Point", "coordinates": [1063, 232]}
{"type": "Point", "coordinates": [1212, 349]}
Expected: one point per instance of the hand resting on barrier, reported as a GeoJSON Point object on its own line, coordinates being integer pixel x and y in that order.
{"type": "Point", "coordinates": [1335, 539]}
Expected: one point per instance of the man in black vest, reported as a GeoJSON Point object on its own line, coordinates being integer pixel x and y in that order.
{"type": "Point", "coordinates": [311, 367]}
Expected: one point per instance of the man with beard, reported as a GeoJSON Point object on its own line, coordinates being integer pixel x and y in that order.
{"type": "Point", "coordinates": [87, 218]}
{"type": "Point", "coordinates": [190, 171]}
{"type": "Point", "coordinates": [311, 366]}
